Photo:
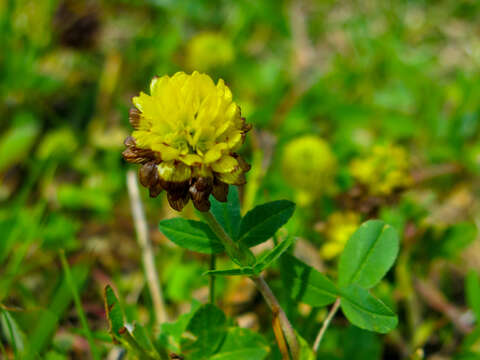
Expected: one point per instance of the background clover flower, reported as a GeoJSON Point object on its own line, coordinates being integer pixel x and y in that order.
{"type": "Point", "coordinates": [309, 166]}
{"type": "Point", "coordinates": [385, 169]}
{"type": "Point", "coordinates": [185, 136]}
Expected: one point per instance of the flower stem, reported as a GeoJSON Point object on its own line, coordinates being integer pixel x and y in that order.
{"type": "Point", "coordinates": [325, 325]}
{"type": "Point", "coordinates": [277, 310]}
{"type": "Point", "coordinates": [212, 279]}
{"type": "Point", "coordinates": [234, 250]}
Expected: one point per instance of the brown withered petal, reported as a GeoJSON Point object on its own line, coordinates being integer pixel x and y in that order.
{"type": "Point", "coordinates": [200, 191]}
{"type": "Point", "coordinates": [174, 187]}
{"type": "Point", "coordinates": [202, 203]}
{"type": "Point", "coordinates": [243, 164]}
{"type": "Point", "coordinates": [178, 201]}
{"type": "Point", "coordinates": [203, 184]}
{"type": "Point", "coordinates": [135, 155]}
{"type": "Point", "coordinates": [155, 190]}
{"type": "Point", "coordinates": [134, 117]}
{"type": "Point", "coordinates": [246, 127]}
{"type": "Point", "coordinates": [220, 191]}
{"type": "Point", "coordinates": [148, 174]}
{"type": "Point", "coordinates": [242, 180]}
{"type": "Point", "coordinates": [129, 141]}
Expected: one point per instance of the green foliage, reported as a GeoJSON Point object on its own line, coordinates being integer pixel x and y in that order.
{"type": "Point", "coordinates": [114, 312]}
{"type": "Point", "coordinates": [242, 344]}
{"type": "Point", "coordinates": [365, 311]}
{"type": "Point", "coordinates": [16, 143]}
{"type": "Point", "coordinates": [192, 235]}
{"type": "Point", "coordinates": [262, 263]}
{"type": "Point", "coordinates": [262, 222]}
{"type": "Point", "coordinates": [368, 255]}
{"type": "Point", "coordinates": [228, 213]}
{"type": "Point", "coordinates": [208, 327]}
{"type": "Point", "coordinates": [136, 340]}
{"type": "Point", "coordinates": [472, 288]}
{"type": "Point", "coordinates": [307, 284]}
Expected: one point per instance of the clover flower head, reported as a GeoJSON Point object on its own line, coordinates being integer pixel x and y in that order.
{"type": "Point", "coordinates": [309, 166]}
{"type": "Point", "coordinates": [209, 50]}
{"type": "Point", "coordinates": [185, 136]}
{"type": "Point", "coordinates": [339, 227]}
{"type": "Point", "coordinates": [385, 169]}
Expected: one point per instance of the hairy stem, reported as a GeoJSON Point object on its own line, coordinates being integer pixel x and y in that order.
{"type": "Point", "coordinates": [234, 250]}
{"type": "Point", "coordinates": [325, 325]}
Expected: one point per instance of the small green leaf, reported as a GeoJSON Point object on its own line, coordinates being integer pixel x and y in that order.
{"type": "Point", "coordinates": [11, 331]}
{"type": "Point", "coordinates": [472, 288]}
{"type": "Point", "coordinates": [228, 213]}
{"type": "Point", "coordinates": [191, 235]}
{"type": "Point", "coordinates": [114, 312]}
{"type": "Point", "coordinates": [16, 142]}
{"type": "Point", "coordinates": [207, 329]}
{"type": "Point", "coordinates": [242, 344]}
{"type": "Point", "coordinates": [306, 284]}
{"type": "Point", "coordinates": [368, 255]}
{"type": "Point", "coordinates": [306, 352]}
{"type": "Point", "coordinates": [247, 270]}
{"type": "Point", "coordinates": [270, 256]}
{"type": "Point", "coordinates": [141, 336]}
{"type": "Point", "coordinates": [171, 332]}
{"type": "Point", "coordinates": [365, 311]}
{"type": "Point", "coordinates": [262, 222]}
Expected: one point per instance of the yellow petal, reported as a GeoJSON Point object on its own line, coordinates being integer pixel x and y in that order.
{"type": "Point", "coordinates": [191, 159]}
{"type": "Point", "coordinates": [167, 153]}
{"type": "Point", "coordinates": [225, 164]}
{"type": "Point", "coordinates": [236, 177]}
{"type": "Point", "coordinates": [202, 171]}
{"type": "Point", "coordinates": [174, 171]}
{"type": "Point", "coordinates": [214, 153]}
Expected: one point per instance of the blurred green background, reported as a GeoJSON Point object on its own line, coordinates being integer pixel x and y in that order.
{"type": "Point", "coordinates": [360, 109]}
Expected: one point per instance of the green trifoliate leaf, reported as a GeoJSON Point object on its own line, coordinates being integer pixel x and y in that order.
{"type": "Point", "coordinates": [242, 344]}
{"type": "Point", "coordinates": [366, 311]}
{"type": "Point", "coordinates": [191, 235]}
{"type": "Point", "coordinates": [247, 270]}
{"type": "Point", "coordinates": [270, 256]}
{"type": "Point", "coordinates": [228, 213]}
{"type": "Point", "coordinates": [262, 222]}
{"type": "Point", "coordinates": [205, 332]}
{"type": "Point", "coordinates": [261, 264]}
{"type": "Point", "coordinates": [368, 254]}
{"type": "Point", "coordinates": [307, 285]}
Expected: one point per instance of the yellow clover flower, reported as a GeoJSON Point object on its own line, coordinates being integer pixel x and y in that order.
{"type": "Point", "coordinates": [186, 134]}
{"type": "Point", "coordinates": [340, 226]}
{"type": "Point", "coordinates": [309, 166]}
{"type": "Point", "coordinates": [385, 169]}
